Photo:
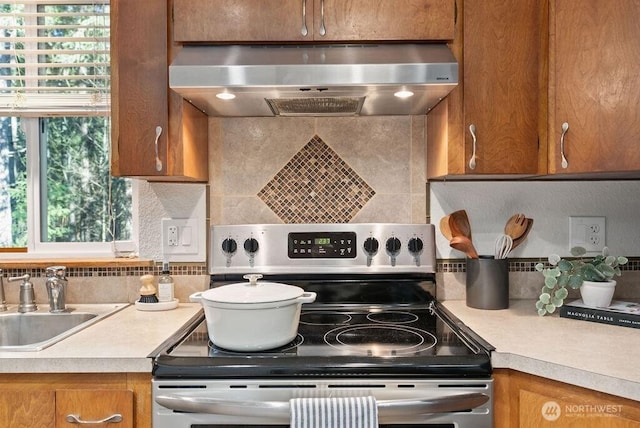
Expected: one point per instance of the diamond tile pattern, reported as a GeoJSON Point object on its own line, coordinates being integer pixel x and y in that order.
{"type": "Point", "coordinates": [316, 186]}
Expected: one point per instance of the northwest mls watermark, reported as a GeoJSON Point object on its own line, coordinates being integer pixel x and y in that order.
{"type": "Point", "coordinates": [552, 411]}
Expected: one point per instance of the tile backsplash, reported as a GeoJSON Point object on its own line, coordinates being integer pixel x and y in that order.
{"type": "Point", "coordinates": [292, 170]}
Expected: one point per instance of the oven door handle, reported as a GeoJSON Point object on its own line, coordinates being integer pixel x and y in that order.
{"type": "Point", "coordinates": [281, 409]}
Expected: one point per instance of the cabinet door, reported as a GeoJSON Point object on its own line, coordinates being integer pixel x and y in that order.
{"type": "Point", "coordinates": [156, 134]}
{"type": "Point", "coordinates": [95, 407]}
{"type": "Point", "coordinates": [528, 401]}
{"type": "Point", "coordinates": [594, 85]}
{"type": "Point", "coordinates": [27, 408]}
{"type": "Point", "coordinates": [242, 20]}
{"type": "Point", "coordinates": [308, 20]}
{"type": "Point", "coordinates": [499, 50]}
{"type": "Point", "coordinates": [501, 45]}
{"type": "Point", "coordinates": [139, 87]}
{"type": "Point", "coordinates": [384, 20]}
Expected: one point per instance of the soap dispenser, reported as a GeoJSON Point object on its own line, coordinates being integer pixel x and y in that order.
{"type": "Point", "coordinates": [165, 285]}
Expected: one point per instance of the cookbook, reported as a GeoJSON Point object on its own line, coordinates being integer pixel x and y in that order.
{"type": "Point", "coordinates": [626, 314]}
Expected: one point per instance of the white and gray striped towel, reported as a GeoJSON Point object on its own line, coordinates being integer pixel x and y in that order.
{"type": "Point", "coordinates": [334, 412]}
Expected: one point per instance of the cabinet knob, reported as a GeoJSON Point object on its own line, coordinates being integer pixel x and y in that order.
{"type": "Point", "coordinates": [75, 419]}
{"type": "Point", "coordinates": [472, 161]}
{"type": "Point", "coordinates": [565, 128]}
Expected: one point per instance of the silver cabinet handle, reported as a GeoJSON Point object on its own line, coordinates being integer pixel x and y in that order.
{"type": "Point", "coordinates": [304, 30]}
{"type": "Point", "coordinates": [158, 161]}
{"type": "Point", "coordinates": [472, 161]}
{"type": "Point", "coordinates": [280, 409]}
{"type": "Point", "coordinates": [75, 419]}
{"type": "Point", "coordinates": [565, 128]}
{"type": "Point", "coordinates": [323, 30]}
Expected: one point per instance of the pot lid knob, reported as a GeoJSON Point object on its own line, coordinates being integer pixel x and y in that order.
{"type": "Point", "coordinates": [253, 278]}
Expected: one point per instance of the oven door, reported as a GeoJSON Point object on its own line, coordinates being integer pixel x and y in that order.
{"type": "Point", "coordinates": [251, 403]}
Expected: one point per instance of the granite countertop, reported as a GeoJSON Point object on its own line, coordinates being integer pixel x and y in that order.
{"type": "Point", "coordinates": [121, 342]}
{"type": "Point", "coordinates": [597, 356]}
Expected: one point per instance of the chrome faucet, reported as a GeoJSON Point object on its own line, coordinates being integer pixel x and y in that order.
{"type": "Point", "coordinates": [56, 286]}
{"type": "Point", "coordinates": [3, 303]}
{"type": "Point", "coordinates": [27, 296]}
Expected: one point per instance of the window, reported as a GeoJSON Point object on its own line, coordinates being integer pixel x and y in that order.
{"type": "Point", "coordinates": [56, 191]}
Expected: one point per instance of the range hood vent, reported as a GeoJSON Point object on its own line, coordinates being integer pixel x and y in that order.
{"type": "Point", "coordinates": [314, 80]}
{"type": "Point", "coordinates": [321, 106]}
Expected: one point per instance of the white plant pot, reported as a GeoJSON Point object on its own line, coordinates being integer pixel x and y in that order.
{"type": "Point", "coordinates": [597, 294]}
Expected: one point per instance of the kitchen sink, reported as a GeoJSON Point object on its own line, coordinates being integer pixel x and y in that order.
{"type": "Point", "coordinates": [34, 331]}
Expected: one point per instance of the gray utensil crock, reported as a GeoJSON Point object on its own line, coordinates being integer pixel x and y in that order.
{"type": "Point", "coordinates": [488, 283]}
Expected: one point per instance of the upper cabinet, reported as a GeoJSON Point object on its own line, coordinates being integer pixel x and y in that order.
{"type": "Point", "coordinates": [259, 21]}
{"type": "Point", "coordinates": [156, 135]}
{"type": "Point", "coordinates": [594, 86]}
{"type": "Point", "coordinates": [489, 124]}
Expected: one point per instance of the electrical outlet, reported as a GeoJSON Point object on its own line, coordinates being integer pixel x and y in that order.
{"type": "Point", "coordinates": [172, 236]}
{"type": "Point", "coordinates": [587, 232]}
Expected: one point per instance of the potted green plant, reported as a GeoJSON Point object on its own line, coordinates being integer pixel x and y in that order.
{"type": "Point", "coordinates": [593, 277]}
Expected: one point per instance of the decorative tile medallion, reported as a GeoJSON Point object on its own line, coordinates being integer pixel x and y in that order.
{"type": "Point", "coordinates": [316, 186]}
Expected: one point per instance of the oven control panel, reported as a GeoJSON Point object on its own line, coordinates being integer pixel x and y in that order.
{"type": "Point", "coordinates": [322, 248]}
{"type": "Point", "coordinates": [329, 245]}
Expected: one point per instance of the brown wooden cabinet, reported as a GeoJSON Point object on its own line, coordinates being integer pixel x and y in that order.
{"type": "Point", "coordinates": [45, 400]}
{"type": "Point", "coordinates": [527, 401]}
{"type": "Point", "coordinates": [156, 134]}
{"type": "Point", "coordinates": [489, 124]}
{"type": "Point", "coordinates": [260, 21]}
{"type": "Point", "coordinates": [594, 86]}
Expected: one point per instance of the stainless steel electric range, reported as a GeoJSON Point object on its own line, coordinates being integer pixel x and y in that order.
{"type": "Point", "coordinates": [375, 329]}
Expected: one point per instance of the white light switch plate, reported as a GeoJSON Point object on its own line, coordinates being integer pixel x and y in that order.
{"type": "Point", "coordinates": [587, 232]}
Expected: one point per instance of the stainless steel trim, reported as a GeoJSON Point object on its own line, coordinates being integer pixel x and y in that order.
{"type": "Point", "coordinates": [281, 409]}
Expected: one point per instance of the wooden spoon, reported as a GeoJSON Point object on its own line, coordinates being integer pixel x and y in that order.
{"type": "Point", "coordinates": [445, 229]}
{"type": "Point", "coordinates": [464, 244]}
{"type": "Point", "coordinates": [459, 224]}
{"type": "Point", "coordinates": [516, 226]}
{"type": "Point", "coordinates": [524, 234]}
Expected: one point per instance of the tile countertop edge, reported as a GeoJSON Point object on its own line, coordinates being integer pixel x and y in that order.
{"type": "Point", "coordinates": [121, 343]}
{"type": "Point", "coordinates": [562, 349]}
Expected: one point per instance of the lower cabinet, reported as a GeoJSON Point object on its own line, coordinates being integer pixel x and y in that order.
{"type": "Point", "coordinates": [527, 401]}
{"type": "Point", "coordinates": [69, 400]}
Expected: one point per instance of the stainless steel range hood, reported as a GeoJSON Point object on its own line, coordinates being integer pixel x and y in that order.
{"type": "Point", "coordinates": [314, 80]}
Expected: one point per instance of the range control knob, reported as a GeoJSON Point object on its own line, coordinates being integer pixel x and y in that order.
{"type": "Point", "coordinates": [415, 246]}
{"type": "Point", "coordinates": [371, 246]}
{"type": "Point", "coordinates": [251, 246]}
{"type": "Point", "coordinates": [393, 246]}
{"type": "Point", "coordinates": [229, 246]}
{"type": "Point", "coordinates": [393, 249]}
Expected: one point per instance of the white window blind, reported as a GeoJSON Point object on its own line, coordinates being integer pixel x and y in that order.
{"type": "Point", "coordinates": [54, 57]}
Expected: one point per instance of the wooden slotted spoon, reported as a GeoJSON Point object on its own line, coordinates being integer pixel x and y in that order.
{"type": "Point", "coordinates": [516, 226]}
{"type": "Point", "coordinates": [523, 236]}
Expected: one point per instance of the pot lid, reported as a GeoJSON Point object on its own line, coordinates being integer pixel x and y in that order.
{"type": "Point", "coordinates": [253, 292]}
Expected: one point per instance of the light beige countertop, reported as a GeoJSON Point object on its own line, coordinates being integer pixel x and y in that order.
{"type": "Point", "coordinates": [121, 342]}
{"type": "Point", "coordinates": [592, 355]}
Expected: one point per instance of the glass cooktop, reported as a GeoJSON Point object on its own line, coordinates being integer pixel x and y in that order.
{"type": "Point", "coordinates": [413, 336]}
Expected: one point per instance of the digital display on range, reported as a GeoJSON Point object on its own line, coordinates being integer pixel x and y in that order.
{"type": "Point", "coordinates": [331, 245]}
